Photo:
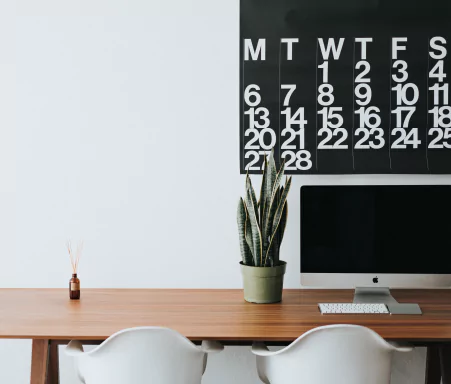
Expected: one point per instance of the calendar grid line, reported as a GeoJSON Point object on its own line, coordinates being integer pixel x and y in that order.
{"type": "Point", "coordinates": [316, 102]}
{"type": "Point", "coordinates": [280, 85]}
{"type": "Point", "coordinates": [353, 107]}
{"type": "Point", "coordinates": [242, 106]}
{"type": "Point", "coordinates": [389, 108]}
{"type": "Point", "coordinates": [427, 106]}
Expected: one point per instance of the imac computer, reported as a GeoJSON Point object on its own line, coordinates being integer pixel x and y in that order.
{"type": "Point", "coordinates": [372, 238]}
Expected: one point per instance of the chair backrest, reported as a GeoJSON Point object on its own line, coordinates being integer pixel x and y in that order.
{"type": "Point", "coordinates": [338, 354]}
{"type": "Point", "coordinates": [142, 356]}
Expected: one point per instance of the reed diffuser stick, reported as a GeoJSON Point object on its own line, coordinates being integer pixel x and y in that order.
{"type": "Point", "coordinates": [74, 258]}
{"type": "Point", "coordinates": [74, 283]}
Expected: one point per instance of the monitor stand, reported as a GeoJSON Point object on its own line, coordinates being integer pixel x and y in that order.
{"type": "Point", "coordinates": [383, 296]}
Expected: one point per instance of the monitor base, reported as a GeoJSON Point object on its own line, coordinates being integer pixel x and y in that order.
{"type": "Point", "coordinates": [373, 295]}
{"type": "Point", "coordinates": [383, 296]}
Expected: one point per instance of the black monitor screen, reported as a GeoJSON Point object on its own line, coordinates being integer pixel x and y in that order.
{"type": "Point", "coordinates": [376, 229]}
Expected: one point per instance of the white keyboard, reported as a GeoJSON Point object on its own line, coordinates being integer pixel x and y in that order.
{"type": "Point", "coordinates": [333, 308]}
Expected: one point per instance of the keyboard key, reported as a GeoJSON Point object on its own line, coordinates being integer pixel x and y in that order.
{"type": "Point", "coordinates": [351, 308]}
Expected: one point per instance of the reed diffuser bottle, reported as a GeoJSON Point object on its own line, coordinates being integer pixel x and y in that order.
{"type": "Point", "coordinates": [74, 282]}
{"type": "Point", "coordinates": [74, 287]}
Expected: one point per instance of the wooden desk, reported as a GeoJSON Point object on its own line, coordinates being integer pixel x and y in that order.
{"type": "Point", "coordinates": [49, 318]}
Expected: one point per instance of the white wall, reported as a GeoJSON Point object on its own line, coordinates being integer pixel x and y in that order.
{"type": "Point", "coordinates": [119, 124]}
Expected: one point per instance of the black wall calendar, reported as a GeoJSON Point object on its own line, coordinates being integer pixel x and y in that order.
{"type": "Point", "coordinates": [349, 86]}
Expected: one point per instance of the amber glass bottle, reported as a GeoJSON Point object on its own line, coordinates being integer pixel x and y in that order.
{"type": "Point", "coordinates": [74, 287]}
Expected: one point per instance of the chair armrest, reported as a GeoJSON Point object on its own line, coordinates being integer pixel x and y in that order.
{"type": "Point", "coordinates": [260, 349]}
{"type": "Point", "coordinates": [211, 346]}
{"type": "Point", "coordinates": [401, 346]}
{"type": "Point", "coordinates": [74, 348]}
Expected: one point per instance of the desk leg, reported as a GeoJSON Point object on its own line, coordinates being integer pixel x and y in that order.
{"type": "Point", "coordinates": [39, 361]}
{"type": "Point", "coordinates": [53, 364]}
{"type": "Point", "coordinates": [445, 359]}
{"type": "Point", "coordinates": [433, 374]}
{"type": "Point", "coordinates": [44, 362]}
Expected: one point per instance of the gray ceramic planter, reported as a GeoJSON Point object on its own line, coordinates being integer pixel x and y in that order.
{"type": "Point", "coordinates": [263, 285]}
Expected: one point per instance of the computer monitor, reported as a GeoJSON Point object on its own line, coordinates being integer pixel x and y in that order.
{"type": "Point", "coordinates": [376, 236]}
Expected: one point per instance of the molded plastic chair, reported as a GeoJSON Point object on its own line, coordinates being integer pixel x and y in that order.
{"type": "Point", "coordinates": [141, 356]}
{"type": "Point", "coordinates": [334, 354]}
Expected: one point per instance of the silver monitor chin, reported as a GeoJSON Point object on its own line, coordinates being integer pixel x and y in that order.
{"type": "Point", "coordinates": [354, 280]}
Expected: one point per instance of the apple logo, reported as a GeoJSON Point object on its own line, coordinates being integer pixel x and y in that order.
{"type": "Point", "coordinates": [375, 280]}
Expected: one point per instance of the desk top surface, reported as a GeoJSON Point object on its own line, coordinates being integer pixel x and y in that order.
{"type": "Point", "coordinates": [208, 314]}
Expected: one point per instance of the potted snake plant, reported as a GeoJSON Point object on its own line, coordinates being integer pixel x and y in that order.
{"type": "Point", "coordinates": [261, 225]}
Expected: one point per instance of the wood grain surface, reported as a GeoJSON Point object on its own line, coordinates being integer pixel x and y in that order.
{"type": "Point", "coordinates": [39, 361]}
{"type": "Point", "coordinates": [208, 314]}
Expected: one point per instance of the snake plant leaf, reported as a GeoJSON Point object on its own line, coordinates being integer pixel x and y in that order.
{"type": "Point", "coordinates": [278, 179]}
{"type": "Point", "coordinates": [271, 175]}
{"type": "Point", "coordinates": [273, 203]}
{"type": "Point", "coordinates": [283, 223]}
{"type": "Point", "coordinates": [241, 219]}
{"type": "Point", "coordinates": [275, 247]}
{"type": "Point", "coordinates": [274, 253]}
{"type": "Point", "coordinates": [281, 190]}
{"type": "Point", "coordinates": [261, 202]}
{"type": "Point", "coordinates": [270, 255]}
{"type": "Point", "coordinates": [266, 193]}
{"type": "Point", "coordinates": [248, 233]}
{"type": "Point", "coordinates": [278, 214]}
{"type": "Point", "coordinates": [253, 196]}
{"type": "Point", "coordinates": [280, 195]}
{"type": "Point", "coordinates": [248, 237]}
{"type": "Point", "coordinates": [282, 203]}
{"type": "Point", "coordinates": [256, 234]}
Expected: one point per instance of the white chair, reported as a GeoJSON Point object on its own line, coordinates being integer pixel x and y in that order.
{"type": "Point", "coordinates": [141, 356]}
{"type": "Point", "coordinates": [334, 354]}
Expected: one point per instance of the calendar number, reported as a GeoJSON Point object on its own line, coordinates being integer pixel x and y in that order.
{"type": "Point", "coordinates": [402, 74]}
{"type": "Point", "coordinates": [399, 116]}
{"type": "Point", "coordinates": [405, 138]}
{"type": "Point", "coordinates": [301, 160]}
{"type": "Point", "coordinates": [369, 117]}
{"type": "Point", "coordinates": [291, 88]}
{"type": "Point", "coordinates": [442, 116]}
{"type": "Point", "coordinates": [330, 114]}
{"type": "Point", "coordinates": [402, 91]}
{"type": "Point", "coordinates": [292, 137]}
{"type": "Point", "coordinates": [440, 135]}
{"type": "Point", "coordinates": [341, 133]}
{"type": "Point", "coordinates": [437, 72]}
{"type": "Point", "coordinates": [326, 93]}
{"type": "Point", "coordinates": [363, 93]}
{"type": "Point", "coordinates": [255, 155]}
{"type": "Point", "coordinates": [365, 142]}
{"type": "Point", "coordinates": [440, 90]}
{"type": "Point", "coordinates": [366, 69]}
{"type": "Point", "coordinates": [251, 93]}
{"type": "Point", "coordinates": [260, 137]}
{"type": "Point", "coordinates": [296, 119]}
{"type": "Point", "coordinates": [261, 113]}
